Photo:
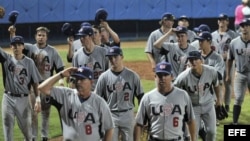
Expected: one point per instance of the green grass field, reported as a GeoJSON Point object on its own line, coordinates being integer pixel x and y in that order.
{"type": "Point", "coordinates": [134, 53]}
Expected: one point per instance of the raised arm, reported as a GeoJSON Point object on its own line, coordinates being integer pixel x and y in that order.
{"type": "Point", "coordinates": [112, 33]}
{"type": "Point", "coordinates": [158, 43]}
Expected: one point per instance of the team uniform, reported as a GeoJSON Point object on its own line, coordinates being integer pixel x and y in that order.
{"type": "Point", "coordinates": [224, 40]}
{"type": "Point", "coordinates": [18, 75]}
{"type": "Point", "coordinates": [200, 90]}
{"type": "Point", "coordinates": [153, 50]}
{"type": "Point", "coordinates": [165, 114]}
{"type": "Point", "coordinates": [96, 60]}
{"type": "Point", "coordinates": [47, 61]}
{"type": "Point", "coordinates": [119, 90]}
{"type": "Point", "coordinates": [82, 119]}
{"type": "Point", "coordinates": [239, 51]}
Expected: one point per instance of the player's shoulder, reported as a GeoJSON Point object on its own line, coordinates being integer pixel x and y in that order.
{"type": "Point", "coordinates": [179, 91]}
{"type": "Point", "coordinates": [235, 40]}
{"type": "Point", "coordinates": [209, 69]}
{"type": "Point", "coordinates": [130, 71]}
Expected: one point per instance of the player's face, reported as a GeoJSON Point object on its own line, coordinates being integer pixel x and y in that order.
{"type": "Point", "coordinates": [41, 38]}
{"type": "Point", "coordinates": [83, 86]}
{"type": "Point", "coordinates": [168, 23]}
{"type": "Point", "coordinates": [163, 80]}
{"type": "Point", "coordinates": [223, 22]}
{"type": "Point", "coordinates": [245, 29]}
{"type": "Point", "coordinates": [97, 36]}
{"type": "Point", "coordinates": [183, 23]}
{"type": "Point", "coordinates": [182, 39]}
{"type": "Point", "coordinates": [115, 62]}
{"type": "Point", "coordinates": [17, 48]}
{"type": "Point", "coordinates": [204, 44]}
{"type": "Point", "coordinates": [85, 40]}
{"type": "Point", "coordinates": [104, 35]}
{"type": "Point", "coordinates": [194, 63]}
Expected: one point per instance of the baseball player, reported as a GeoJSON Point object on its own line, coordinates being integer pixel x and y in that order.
{"type": "Point", "coordinates": [20, 74]}
{"type": "Point", "coordinates": [91, 55]}
{"type": "Point", "coordinates": [85, 116]}
{"type": "Point", "coordinates": [184, 21]}
{"type": "Point", "coordinates": [119, 86]}
{"type": "Point", "coordinates": [175, 52]}
{"type": "Point", "coordinates": [164, 109]}
{"type": "Point", "coordinates": [47, 60]}
{"type": "Point", "coordinates": [239, 52]}
{"type": "Point", "coordinates": [201, 83]}
{"type": "Point", "coordinates": [223, 35]}
{"type": "Point", "coordinates": [153, 53]}
{"type": "Point", "coordinates": [198, 30]}
{"type": "Point", "coordinates": [74, 45]}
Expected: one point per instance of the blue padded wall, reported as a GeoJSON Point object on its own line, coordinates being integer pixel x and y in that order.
{"type": "Point", "coordinates": [41, 11]}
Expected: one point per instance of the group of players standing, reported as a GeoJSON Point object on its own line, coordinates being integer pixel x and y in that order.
{"type": "Point", "coordinates": [192, 70]}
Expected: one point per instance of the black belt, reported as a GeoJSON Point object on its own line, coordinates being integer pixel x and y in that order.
{"type": "Point", "coordinates": [155, 139]}
{"type": "Point", "coordinates": [120, 111]}
{"type": "Point", "coordinates": [15, 95]}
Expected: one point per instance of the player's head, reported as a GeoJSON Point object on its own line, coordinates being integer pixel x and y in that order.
{"type": "Point", "coordinates": [194, 59]}
{"type": "Point", "coordinates": [167, 19]}
{"type": "Point", "coordinates": [42, 35]}
{"type": "Point", "coordinates": [17, 43]}
{"type": "Point", "coordinates": [181, 33]}
{"type": "Point", "coordinates": [183, 21]}
{"type": "Point", "coordinates": [245, 26]}
{"type": "Point", "coordinates": [164, 77]}
{"type": "Point", "coordinates": [97, 35]}
{"type": "Point", "coordinates": [202, 28]}
{"type": "Point", "coordinates": [115, 55]}
{"type": "Point", "coordinates": [85, 34]}
{"type": "Point", "coordinates": [205, 39]}
{"type": "Point", "coordinates": [83, 79]}
{"type": "Point", "coordinates": [223, 20]}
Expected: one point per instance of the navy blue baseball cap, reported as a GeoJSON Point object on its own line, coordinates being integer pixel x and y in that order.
{"type": "Point", "coordinates": [168, 16]}
{"type": "Point", "coordinates": [183, 17]}
{"type": "Point", "coordinates": [101, 14]}
{"type": "Point", "coordinates": [85, 30]}
{"type": "Point", "coordinates": [85, 24]}
{"type": "Point", "coordinates": [17, 39]}
{"type": "Point", "coordinates": [181, 29]}
{"type": "Point", "coordinates": [194, 55]}
{"type": "Point", "coordinates": [204, 36]}
{"type": "Point", "coordinates": [113, 51]}
{"type": "Point", "coordinates": [83, 72]}
{"type": "Point", "coordinates": [202, 27]}
{"type": "Point", "coordinates": [223, 16]}
{"type": "Point", "coordinates": [245, 22]}
{"type": "Point", "coordinates": [163, 67]}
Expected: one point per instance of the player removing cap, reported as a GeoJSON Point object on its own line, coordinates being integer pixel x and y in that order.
{"type": "Point", "coordinates": [84, 114]}
{"type": "Point", "coordinates": [163, 109]}
{"type": "Point", "coordinates": [201, 83]}
{"type": "Point", "coordinates": [20, 72]}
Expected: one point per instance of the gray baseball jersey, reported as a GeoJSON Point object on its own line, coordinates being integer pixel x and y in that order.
{"type": "Point", "coordinates": [240, 52]}
{"type": "Point", "coordinates": [165, 114]}
{"type": "Point", "coordinates": [89, 118]}
{"type": "Point", "coordinates": [176, 56]}
{"type": "Point", "coordinates": [76, 45]}
{"type": "Point", "coordinates": [97, 61]}
{"type": "Point", "coordinates": [215, 60]}
{"type": "Point", "coordinates": [18, 75]}
{"type": "Point", "coordinates": [224, 40]}
{"type": "Point", "coordinates": [120, 89]}
{"type": "Point", "coordinates": [155, 35]}
{"type": "Point", "coordinates": [191, 35]}
{"type": "Point", "coordinates": [200, 89]}
{"type": "Point", "coordinates": [48, 60]}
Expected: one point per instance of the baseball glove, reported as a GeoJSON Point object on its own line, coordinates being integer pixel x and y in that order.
{"type": "Point", "coordinates": [221, 112]}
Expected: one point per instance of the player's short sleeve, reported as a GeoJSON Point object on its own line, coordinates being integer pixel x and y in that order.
{"type": "Point", "coordinates": [141, 115]}
{"type": "Point", "coordinates": [59, 93]}
{"type": "Point", "coordinates": [58, 61]}
{"type": "Point", "coordinates": [230, 53]}
{"type": "Point", "coordinates": [149, 45]}
{"type": "Point", "coordinates": [189, 108]}
{"type": "Point", "coordinates": [137, 82]}
{"type": "Point", "coordinates": [100, 85]}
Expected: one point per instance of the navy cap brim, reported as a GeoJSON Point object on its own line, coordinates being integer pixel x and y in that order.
{"type": "Point", "coordinates": [199, 38]}
{"type": "Point", "coordinates": [112, 54]}
{"type": "Point", "coordinates": [81, 34]}
{"type": "Point", "coordinates": [163, 72]}
{"type": "Point", "coordinates": [16, 43]}
{"type": "Point", "coordinates": [193, 57]}
{"type": "Point", "coordinates": [79, 75]}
